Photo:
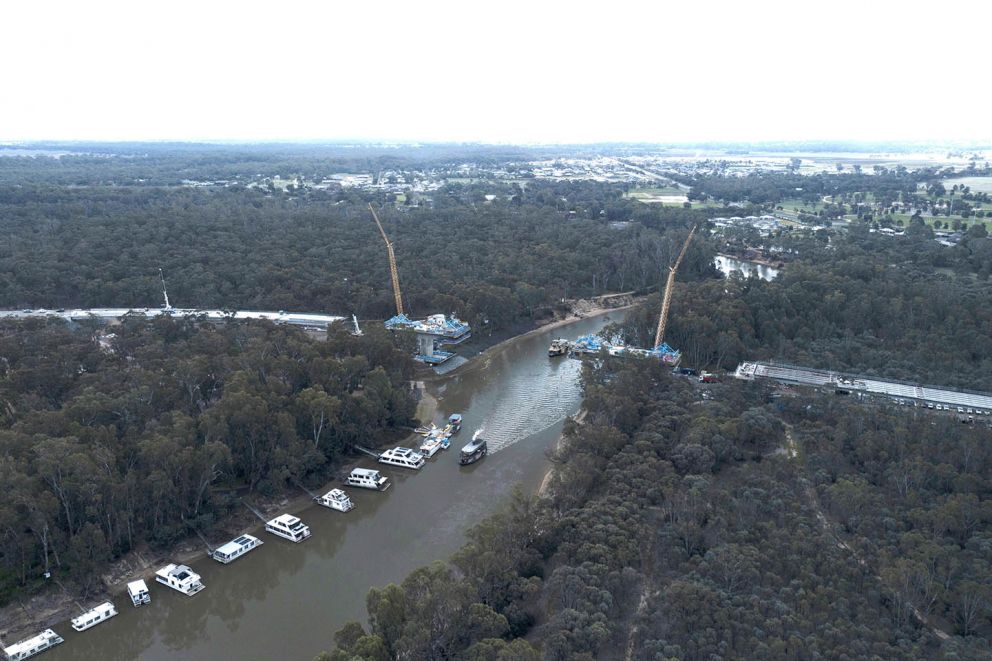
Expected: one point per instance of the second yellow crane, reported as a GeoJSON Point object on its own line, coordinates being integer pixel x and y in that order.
{"type": "Point", "coordinates": [667, 300]}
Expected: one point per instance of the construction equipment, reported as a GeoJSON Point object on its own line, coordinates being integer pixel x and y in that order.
{"type": "Point", "coordinates": [165, 293]}
{"type": "Point", "coordinates": [667, 300]}
{"type": "Point", "coordinates": [392, 262]}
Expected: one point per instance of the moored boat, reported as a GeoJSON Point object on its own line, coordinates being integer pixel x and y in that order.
{"type": "Point", "coordinates": [181, 578]}
{"type": "Point", "coordinates": [235, 548]}
{"type": "Point", "coordinates": [336, 499]}
{"type": "Point", "coordinates": [94, 616]}
{"type": "Point", "coordinates": [559, 347]}
{"type": "Point", "coordinates": [138, 592]}
{"type": "Point", "coordinates": [288, 527]}
{"type": "Point", "coordinates": [367, 478]}
{"type": "Point", "coordinates": [402, 457]}
{"type": "Point", "coordinates": [34, 645]}
{"type": "Point", "coordinates": [455, 422]}
{"type": "Point", "coordinates": [430, 446]}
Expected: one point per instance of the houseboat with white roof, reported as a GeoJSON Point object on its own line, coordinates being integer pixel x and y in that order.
{"type": "Point", "coordinates": [181, 578]}
{"type": "Point", "coordinates": [455, 422]}
{"type": "Point", "coordinates": [368, 478]}
{"type": "Point", "coordinates": [336, 499]}
{"type": "Point", "coordinates": [138, 592]}
{"type": "Point", "coordinates": [288, 527]}
{"type": "Point", "coordinates": [28, 647]}
{"type": "Point", "coordinates": [402, 457]}
{"type": "Point", "coordinates": [94, 616]}
{"type": "Point", "coordinates": [235, 548]}
{"type": "Point", "coordinates": [431, 445]}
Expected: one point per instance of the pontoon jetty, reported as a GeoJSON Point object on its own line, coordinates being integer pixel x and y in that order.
{"type": "Point", "coordinates": [235, 548]}
{"type": "Point", "coordinates": [94, 616]}
{"type": "Point", "coordinates": [181, 578]}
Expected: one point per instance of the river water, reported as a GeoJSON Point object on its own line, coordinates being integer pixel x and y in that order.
{"type": "Point", "coordinates": [285, 600]}
{"type": "Point", "coordinates": [726, 265]}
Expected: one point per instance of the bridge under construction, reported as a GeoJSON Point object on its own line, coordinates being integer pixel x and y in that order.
{"type": "Point", "coordinates": [901, 392]}
{"type": "Point", "coordinates": [308, 320]}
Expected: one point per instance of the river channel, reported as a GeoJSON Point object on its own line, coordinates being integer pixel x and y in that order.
{"type": "Point", "coordinates": [285, 601]}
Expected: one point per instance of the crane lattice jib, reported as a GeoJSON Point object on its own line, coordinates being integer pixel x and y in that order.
{"type": "Point", "coordinates": [669, 285]}
{"type": "Point", "coordinates": [393, 271]}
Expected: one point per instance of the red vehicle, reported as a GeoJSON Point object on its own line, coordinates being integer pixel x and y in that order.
{"type": "Point", "coordinates": [708, 377]}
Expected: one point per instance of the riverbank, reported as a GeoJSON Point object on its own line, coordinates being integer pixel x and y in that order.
{"type": "Point", "coordinates": [556, 449]}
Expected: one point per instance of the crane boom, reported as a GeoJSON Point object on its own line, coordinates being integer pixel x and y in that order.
{"type": "Point", "coordinates": [669, 284]}
{"type": "Point", "coordinates": [394, 273]}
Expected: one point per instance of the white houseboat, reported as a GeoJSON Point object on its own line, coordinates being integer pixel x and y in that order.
{"type": "Point", "coordinates": [31, 646]}
{"type": "Point", "coordinates": [180, 577]}
{"type": "Point", "coordinates": [403, 457]}
{"type": "Point", "coordinates": [431, 445]}
{"type": "Point", "coordinates": [367, 478]}
{"type": "Point", "coordinates": [288, 527]}
{"type": "Point", "coordinates": [235, 548]}
{"type": "Point", "coordinates": [94, 616]}
{"type": "Point", "coordinates": [336, 499]}
{"type": "Point", "coordinates": [138, 592]}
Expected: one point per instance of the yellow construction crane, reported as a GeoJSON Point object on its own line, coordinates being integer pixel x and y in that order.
{"type": "Point", "coordinates": [667, 300]}
{"type": "Point", "coordinates": [392, 263]}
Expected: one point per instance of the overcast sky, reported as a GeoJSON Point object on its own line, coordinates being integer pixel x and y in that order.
{"type": "Point", "coordinates": [496, 71]}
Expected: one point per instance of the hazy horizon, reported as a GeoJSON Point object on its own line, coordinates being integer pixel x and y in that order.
{"type": "Point", "coordinates": [512, 74]}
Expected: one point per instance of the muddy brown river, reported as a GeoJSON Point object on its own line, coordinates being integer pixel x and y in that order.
{"type": "Point", "coordinates": [285, 601]}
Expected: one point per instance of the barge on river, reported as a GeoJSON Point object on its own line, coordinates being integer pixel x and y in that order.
{"type": "Point", "coordinates": [94, 616]}
{"type": "Point", "coordinates": [181, 578]}
{"type": "Point", "coordinates": [34, 645]}
{"type": "Point", "coordinates": [402, 457]}
{"type": "Point", "coordinates": [288, 527]}
{"type": "Point", "coordinates": [235, 548]}
{"type": "Point", "coordinates": [336, 499]}
{"type": "Point", "coordinates": [367, 478]}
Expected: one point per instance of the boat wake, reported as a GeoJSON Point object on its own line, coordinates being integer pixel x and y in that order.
{"type": "Point", "coordinates": [531, 405]}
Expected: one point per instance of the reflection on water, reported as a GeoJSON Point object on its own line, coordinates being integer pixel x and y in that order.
{"type": "Point", "coordinates": [726, 265]}
{"type": "Point", "coordinates": [285, 600]}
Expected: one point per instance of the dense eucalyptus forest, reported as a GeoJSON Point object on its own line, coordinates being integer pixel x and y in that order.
{"type": "Point", "coordinates": [158, 428]}
{"type": "Point", "coordinates": [111, 439]}
{"type": "Point", "coordinates": [676, 526]}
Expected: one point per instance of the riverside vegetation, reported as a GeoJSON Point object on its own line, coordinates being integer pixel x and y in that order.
{"type": "Point", "coordinates": [674, 526]}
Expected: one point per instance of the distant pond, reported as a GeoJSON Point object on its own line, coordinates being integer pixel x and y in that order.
{"type": "Point", "coordinates": [726, 264]}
